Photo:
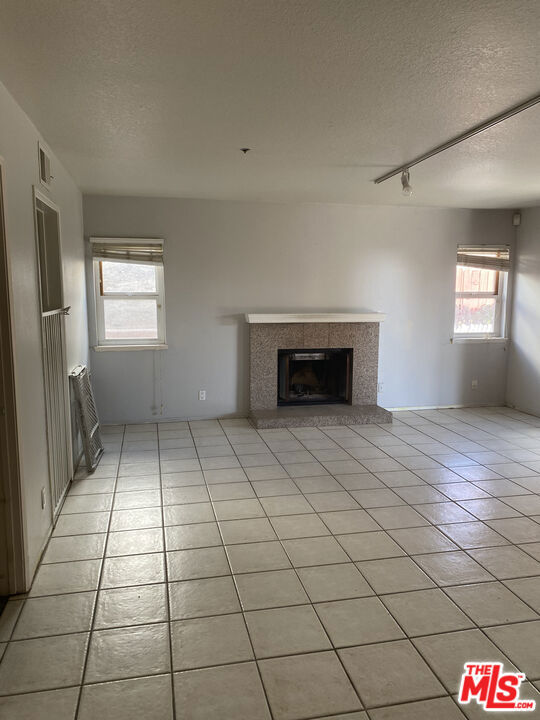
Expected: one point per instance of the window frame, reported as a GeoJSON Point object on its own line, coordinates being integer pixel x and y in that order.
{"type": "Point", "coordinates": [104, 343]}
{"type": "Point", "coordinates": [500, 295]}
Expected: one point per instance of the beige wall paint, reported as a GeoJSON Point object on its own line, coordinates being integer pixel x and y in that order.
{"type": "Point", "coordinates": [18, 147]}
{"type": "Point", "coordinates": [524, 366]}
{"type": "Point", "coordinates": [223, 259]}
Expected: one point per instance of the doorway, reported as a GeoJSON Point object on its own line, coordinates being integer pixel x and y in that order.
{"type": "Point", "coordinates": [12, 563]}
{"type": "Point", "coordinates": [55, 374]}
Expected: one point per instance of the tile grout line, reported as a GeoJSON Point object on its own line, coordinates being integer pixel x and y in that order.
{"type": "Point", "coordinates": [96, 599]}
{"type": "Point", "coordinates": [166, 577]}
{"type": "Point", "coordinates": [255, 661]}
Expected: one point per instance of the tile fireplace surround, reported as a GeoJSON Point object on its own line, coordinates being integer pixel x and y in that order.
{"type": "Point", "coordinates": [270, 333]}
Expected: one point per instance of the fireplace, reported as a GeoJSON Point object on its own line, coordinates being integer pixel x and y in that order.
{"type": "Point", "coordinates": [302, 374]}
{"type": "Point", "coordinates": [320, 376]}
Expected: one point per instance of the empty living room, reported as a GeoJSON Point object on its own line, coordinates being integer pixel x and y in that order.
{"type": "Point", "coordinates": [269, 359]}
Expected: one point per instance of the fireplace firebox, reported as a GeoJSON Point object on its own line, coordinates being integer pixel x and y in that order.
{"type": "Point", "coordinates": [315, 377]}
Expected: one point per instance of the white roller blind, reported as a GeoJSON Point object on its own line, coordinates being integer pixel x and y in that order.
{"type": "Point", "coordinates": [140, 250]}
{"type": "Point", "coordinates": [489, 257]}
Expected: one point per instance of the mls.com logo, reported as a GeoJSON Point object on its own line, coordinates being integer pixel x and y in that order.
{"type": "Point", "coordinates": [491, 687]}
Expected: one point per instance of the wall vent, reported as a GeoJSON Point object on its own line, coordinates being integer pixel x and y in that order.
{"type": "Point", "coordinates": [45, 176]}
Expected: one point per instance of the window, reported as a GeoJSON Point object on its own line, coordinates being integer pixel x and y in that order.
{"type": "Point", "coordinates": [481, 288]}
{"type": "Point", "coordinates": [128, 282]}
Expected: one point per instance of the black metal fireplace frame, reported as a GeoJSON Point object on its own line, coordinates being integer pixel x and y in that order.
{"type": "Point", "coordinates": [287, 353]}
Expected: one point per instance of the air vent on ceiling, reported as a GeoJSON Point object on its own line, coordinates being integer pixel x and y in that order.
{"type": "Point", "coordinates": [44, 166]}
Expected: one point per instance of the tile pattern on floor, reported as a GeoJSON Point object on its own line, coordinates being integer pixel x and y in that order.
{"type": "Point", "coordinates": [209, 570]}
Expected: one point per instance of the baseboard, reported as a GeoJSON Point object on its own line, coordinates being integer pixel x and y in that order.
{"type": "Point", "coordinates": [525, 411]}
{"type": "Point", "coordinates": [446, 407]}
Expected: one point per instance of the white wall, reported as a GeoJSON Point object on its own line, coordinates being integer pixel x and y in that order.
{"type": "Point", "coordinates": [18, 147]}
{"type": "Point", "coordinates": [524, 366]}
{"type": "Point", "coordinates": [223, 259]}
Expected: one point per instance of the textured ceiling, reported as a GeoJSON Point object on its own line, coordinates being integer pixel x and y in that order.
{"type": "Point", "coordinates": [155, 97]}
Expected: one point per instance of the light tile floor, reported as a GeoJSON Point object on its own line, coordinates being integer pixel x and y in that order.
{"type": "Point", "coordinates": [209, 571]}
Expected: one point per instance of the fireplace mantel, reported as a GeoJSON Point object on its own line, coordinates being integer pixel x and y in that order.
{"type": "Point", "coordinates": [367, 317]}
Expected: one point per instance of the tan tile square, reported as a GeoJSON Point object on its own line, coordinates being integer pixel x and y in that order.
{"type": "Point", "coordinates": [289, 527]}
{"type": "Point", "coordinates": [528, 589]}
{"type": "Point", "coordinates": [425, 612]}
{"type": "Point", "coordinates": [147, 697]}
{"type": "Point", "coordinates": [452, 568]}
{"type": "Point", "coordinates": [520, 642]}
{"type": "Point", "coordinates": [67, 577]}
{"type": "Point", "coordinates": [227, 692]}
{"type": "Point", "coordinates": [245, 531]}
{"type": "Point", "coordinates": [359, 621]}
{"type": "Point", "coordinates": [42, 663]}
{"type": "Point", "coordinates": [286, 631]}
{"type": "Point", "coordinates": [187, 514]}
{"type": "Point", "coordinates": [391, 518]}
{"type": "Point", "coordinates": [377, 498]}
{"type": "Point", "coordinates": [370, 545]}
{"type": "Point", "coordinates": [135, 542]}
{"type": "Point", "coordinates": [139, 605]}
{"type": "Point", "coordinates": [197, 563]}
{"type": "Point", "coordinates": [422, 540]}
{"type": "Point", "coordinates": [311, 685]}
{"type": "Point", "coordinates": [327, 501]}
{"type": "Point", "coordinates": [349, 521]}
{"type": "Point", "coordinates": [55, 615]}
{"type": "Point", "coordinates": [197, 535]}
{"type": "Point", "coordinates": [203, 642]}
{"type": "Point", "coordinates": [57, 704]}
{"type": "Point", "coordinates": [506, 562]}
{"type": "Point", "coordinates": [286, 505]}
{"type": "Point", "coordinates": [388, 673]}
{"type": "Point", "coordinates": [238, 509]}
{"type": "Point", "coordinates": [77, 547]}
{"type": "Point", "coordinates": [128, 652]}
{"type": "Point", "coordinates": [447, 654]}
{"type": "Point", "coordinates": [490, 604]}
{"type": "Point", "coordinates": [198, 598]}
{"type": "Point", "coordinates": [472, 535]}
{"type": "Point", "coordinates": [276, 588]}
{"type": "Point", "coordinates": [517, 530]}
{"type": "Point", "coordinates": [136, 519]}
{"type": "Point", "coordinates": [394, 575]}
{"type": "Point", "coordinates": [333, 582]}
{"type": "Point", "coordinates": [314, 551]}
{"type": "Point", "coordinates": [253, 557]}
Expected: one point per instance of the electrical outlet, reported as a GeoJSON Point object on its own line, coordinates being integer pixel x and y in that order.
{"type": "Point", "coordinates": [202, 394]}
{"type": "Point", "coordinates": [379, 387]}
{"type": "Point", "coordinates": [43, 498]}
{"type": "Point", "coordinates": [474, 384]}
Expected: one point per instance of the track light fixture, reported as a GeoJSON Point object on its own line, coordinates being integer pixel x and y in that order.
{"type": "Point", "coordinates": [406, 187]}
{"type": "Point", "coordinates": [495, 120]}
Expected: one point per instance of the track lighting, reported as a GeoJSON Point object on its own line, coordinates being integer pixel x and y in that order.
{"type": "Point", "coordinates": [491, 122]}
{"type": "Point", "coordinates": [405, 184]}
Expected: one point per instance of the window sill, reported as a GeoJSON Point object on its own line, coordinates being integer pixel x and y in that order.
{"type": "Point", "coordinates": [476, 340]}
{"type": "Point", "coordinates": [121, 348]}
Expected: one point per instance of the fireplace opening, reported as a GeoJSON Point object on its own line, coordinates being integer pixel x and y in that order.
{"type": "Point", "coordinates": [314, 377]}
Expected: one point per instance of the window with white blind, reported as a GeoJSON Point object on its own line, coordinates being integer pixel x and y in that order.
{"type": "Point", "coordinates": [129, 292]}
{"type": "Point", "coordinates": [481, 291]}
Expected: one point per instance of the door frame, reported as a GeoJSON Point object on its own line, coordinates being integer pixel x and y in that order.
{"type": "Point", "coordinates": [42, 197]}
{"type": "Point", "coordinates": [10, 470]}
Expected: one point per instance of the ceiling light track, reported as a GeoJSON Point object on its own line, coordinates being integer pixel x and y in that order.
{"type": "Point", "coordinates": [531, 102]}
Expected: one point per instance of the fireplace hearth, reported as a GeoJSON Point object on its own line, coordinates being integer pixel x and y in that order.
{"type": "Point", "coordinates": [320, 376]}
